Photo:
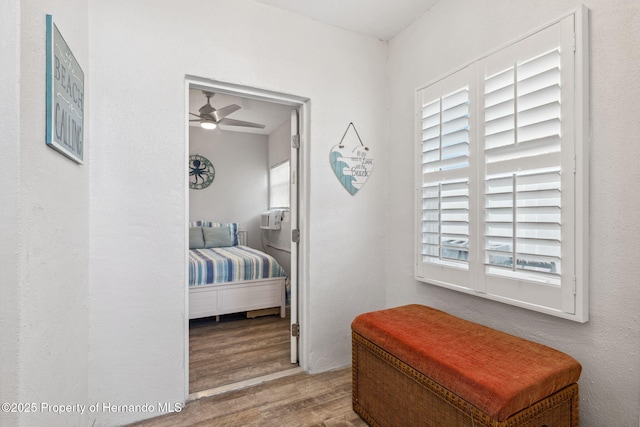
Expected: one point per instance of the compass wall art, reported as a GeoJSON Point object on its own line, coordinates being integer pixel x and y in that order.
{"type": "Point", "coordinates": [201, 172]}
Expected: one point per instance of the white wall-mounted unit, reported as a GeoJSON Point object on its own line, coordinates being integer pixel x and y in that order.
{"type": "Point", "coordinates": [271, 219]}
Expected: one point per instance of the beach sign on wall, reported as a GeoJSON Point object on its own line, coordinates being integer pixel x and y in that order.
{"type": "Point", "coordinates": [65, 96]}
{"type": "Point", "coordinates": [351, 161]}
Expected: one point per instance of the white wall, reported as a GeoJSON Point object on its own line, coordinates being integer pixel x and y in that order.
{"type": "Point", "coordinates": [608, 345]}
{"type": "Point", "coordinates": [239, 191]}
{"type": "Point", "coordinates": [10, 202]}
{"type": "Point", "coordinates": [45, 225]}
{"type": "Point", "coordinates": [140, 54]}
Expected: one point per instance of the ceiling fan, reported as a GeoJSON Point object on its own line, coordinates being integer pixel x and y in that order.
{"type": "Point", "coordinates": [210, 118]}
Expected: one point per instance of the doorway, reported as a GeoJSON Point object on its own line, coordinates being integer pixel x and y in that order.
{"type": "Point", "coordinates": [249, 217]}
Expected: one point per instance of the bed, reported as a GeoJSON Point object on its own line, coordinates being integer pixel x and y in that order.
{"type": "Point", "coordinates": [226, 276]}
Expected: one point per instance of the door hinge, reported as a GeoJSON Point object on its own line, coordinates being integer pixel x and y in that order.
{"type": "Point", "coordinates": [295, 330]}
{"type": "Point", "coordinates": [295, 236]}
{"type": "Point", "coordinates": [295, 141]}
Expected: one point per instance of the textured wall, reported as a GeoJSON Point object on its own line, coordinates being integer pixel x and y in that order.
{"type": "Point", "coordinates": [608, 345]}
{"type": "Point", "coordinates": [10, 202]}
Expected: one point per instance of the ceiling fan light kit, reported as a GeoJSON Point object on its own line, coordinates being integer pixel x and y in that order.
{"type": "Point", "coordinates": [210, 118]}
{"type": "Point", "coordinates": [205, 124]}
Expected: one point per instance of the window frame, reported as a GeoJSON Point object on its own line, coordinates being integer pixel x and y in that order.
{"type": "Point", "coordinates": [473, 281]}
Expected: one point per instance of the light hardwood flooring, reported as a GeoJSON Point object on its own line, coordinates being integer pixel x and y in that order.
{"type": "Point", "coordinates": [236, 349]}
{"type": "Point", "coordinates": [301, 400]}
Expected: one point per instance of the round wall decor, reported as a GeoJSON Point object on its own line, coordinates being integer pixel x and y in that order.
{"type": "Point", "coordinates": [201, 172]}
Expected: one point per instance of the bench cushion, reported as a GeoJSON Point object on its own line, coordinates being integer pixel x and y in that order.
{"type": "Point", "coordinates": [498, 373]}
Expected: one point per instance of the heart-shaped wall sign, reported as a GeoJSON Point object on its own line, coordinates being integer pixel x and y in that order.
{"type": "Point", "coordinates": [351, 161]}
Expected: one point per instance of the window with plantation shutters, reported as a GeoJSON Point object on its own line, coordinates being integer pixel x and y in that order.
{"type": "Point", "coordinates": [502, 174]}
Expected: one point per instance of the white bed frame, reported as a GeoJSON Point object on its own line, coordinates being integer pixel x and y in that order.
{"type": "Point", "coordinates": [236, 297]}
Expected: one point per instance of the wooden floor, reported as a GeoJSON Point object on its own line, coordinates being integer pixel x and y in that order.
{"type": "Point", "coordinates": [236, 349]}
{"type": "Point", "coordinates": [302, 400]}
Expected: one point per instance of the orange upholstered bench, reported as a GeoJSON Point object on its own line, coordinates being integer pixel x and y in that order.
{"type": "Point", "coordinates": [418, 366]}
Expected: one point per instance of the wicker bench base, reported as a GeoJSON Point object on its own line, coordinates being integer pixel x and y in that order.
{"type": "Point", "coordinates": [388, 392]}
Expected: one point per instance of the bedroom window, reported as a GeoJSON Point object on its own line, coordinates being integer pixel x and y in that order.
{"type": "Point", "coordinates": [502, 157]}
{"type": "Point", "coordinates": [279, 186]}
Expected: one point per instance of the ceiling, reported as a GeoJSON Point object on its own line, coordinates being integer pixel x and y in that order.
{"type": "Point", "coordinates": [382, 19]}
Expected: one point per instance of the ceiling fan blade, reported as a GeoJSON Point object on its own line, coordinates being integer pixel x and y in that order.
{"type": "Point", "coordinates": [195, 120]}
{"type": "Point", "coordinates": [225, 111]}
{"type": "Point", "coordinates": [232, 122]}
{"type": "Point", "coordinates": [197, 115]}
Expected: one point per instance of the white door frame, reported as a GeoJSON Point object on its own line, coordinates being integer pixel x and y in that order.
{"type": "Point", "coordinates": [293, 207]}
{"type": "Point", "coordinates": [302, 106]}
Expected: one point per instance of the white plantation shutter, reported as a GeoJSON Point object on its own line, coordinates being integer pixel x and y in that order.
{"type": "Point", "coordinates": [444, 188]}
{"type": "Point", "coordinates": [445, 223]}
{"type": "Point", "coordinates": [522, 183]}
{"type": "Point", "coordinates": [523, 222]}
{"type": "Point", "coordinates": [528, 149]}
{"type": "Point", "coordinates": [498, 181]}
{"type": "Point", "coordinates": [445, 147]}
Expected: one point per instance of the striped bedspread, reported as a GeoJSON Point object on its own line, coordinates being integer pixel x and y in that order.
{"type": "Point", "coordinates": [231, 264]}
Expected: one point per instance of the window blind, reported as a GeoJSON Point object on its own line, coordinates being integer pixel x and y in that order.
{"type": "Point", "coordinates": [445, 192]}
{"type": "Point", "coordinates": [501, 174]}
{"type": "Point", "coordinates": [522, 144]}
